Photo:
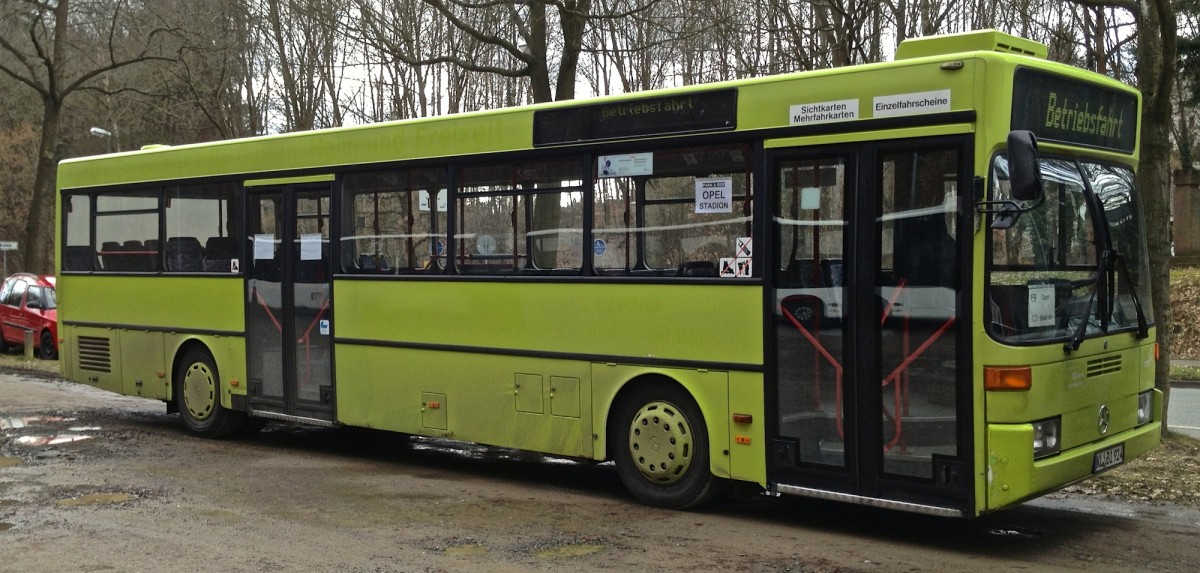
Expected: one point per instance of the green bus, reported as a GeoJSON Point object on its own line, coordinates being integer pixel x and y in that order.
{"type": "Point", "coordinates": [919, 285]}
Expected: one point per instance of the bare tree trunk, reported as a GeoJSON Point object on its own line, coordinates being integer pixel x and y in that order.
{"type": "Point", "coordinates": [38, 246]}
{"type": "Point", "coordinates": [1157, 37]}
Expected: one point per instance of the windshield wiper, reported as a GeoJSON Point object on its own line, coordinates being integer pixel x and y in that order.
{"type": "Point", "coordinates": [1143, 330]}
{"type": "Point", "coordinates": [1106, 279]}
{"type": "Point", "coordinates": [1102, 276]}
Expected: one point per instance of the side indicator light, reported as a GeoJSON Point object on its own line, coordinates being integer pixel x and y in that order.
{"type": "Point", "coordinates": [742, 418]}
{"type": "Point", "coordinates": [744, 440]}
{"type": "Point", "coordinates": [1007, 378]}
{"type": "Point", "coordinates": [1156, 350]}
{"type": "Point", "coordinates": [233, 382]}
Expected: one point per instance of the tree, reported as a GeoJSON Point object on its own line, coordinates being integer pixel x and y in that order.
{"type": "Point", "coordinates": [306, 38]}
{"type": "Point", "coordinates": [521, 32]}
{"type": "Point", "coordinates": [1157, 67]}
{"type": "Point", "coordinates": [57, 49]}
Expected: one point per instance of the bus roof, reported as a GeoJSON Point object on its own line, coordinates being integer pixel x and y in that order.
{"type": "Point", "coordinates": [511, 129]}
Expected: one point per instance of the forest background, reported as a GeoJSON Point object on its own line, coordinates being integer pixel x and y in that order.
{"type": "Point", "coordinates": [83, 77]}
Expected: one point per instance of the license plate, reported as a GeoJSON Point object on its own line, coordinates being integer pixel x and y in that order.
{"type": "Point", "coordinates": [1108, 458]}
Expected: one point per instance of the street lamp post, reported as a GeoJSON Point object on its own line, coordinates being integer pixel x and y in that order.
{"type": "Point", "coordinates": [101, 132]}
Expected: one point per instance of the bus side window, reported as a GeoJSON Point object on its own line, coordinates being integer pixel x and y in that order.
{"type": "Point", "coordinates": [681, 220]}
{"type": "Point", "coordinates": [394, 222]}
{"type": "Point", "coordinates": [523, 218]}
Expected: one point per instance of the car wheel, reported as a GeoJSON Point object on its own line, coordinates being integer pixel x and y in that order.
{"type": "Point", "coordinates": [47, 350]}
{"type": "Point", "coordinates": [198, 396]}
{"type": "Point", "coordinates": [661, 448]}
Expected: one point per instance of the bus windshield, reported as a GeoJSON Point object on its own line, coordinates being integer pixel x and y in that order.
{"type": "Point", "coordinates": [1071, 267]}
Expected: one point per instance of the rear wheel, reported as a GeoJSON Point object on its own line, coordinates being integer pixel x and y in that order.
{"type": "Point", "coordinates": [198, 395]}
{"type": "Point", "coordinates": [661, 448]}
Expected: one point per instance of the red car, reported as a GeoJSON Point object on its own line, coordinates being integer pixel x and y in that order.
{"type": "Point", "coordinates": [27, 304]}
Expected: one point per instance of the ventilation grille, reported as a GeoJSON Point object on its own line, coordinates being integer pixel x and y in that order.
{"type": "Point", "coordinates": [1010, 49]}
{"type": "Point", "coordinates": [94, 354]}
{"type": "Point", "coordinates": [1104, 365]}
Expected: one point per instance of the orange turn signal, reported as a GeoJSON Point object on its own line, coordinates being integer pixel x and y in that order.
{"type": "Point", "coordinates": [1007, 377]}
{"type": "Point", "coordinates": [1156, 352]}
{"type": "Point", "coordinates": [743, 418]}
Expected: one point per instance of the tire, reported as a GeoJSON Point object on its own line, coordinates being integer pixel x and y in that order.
{"type": "Point", "coordinates": [660, 445]}
{"type": "Point", "coordinates": [46, 348]}
{"type": "Point", "coordinates": [198, 396]}
{"type": "Point", "coordinates": [808, 311]}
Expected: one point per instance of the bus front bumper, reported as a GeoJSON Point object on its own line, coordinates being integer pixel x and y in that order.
{"type": "Point", "coordinates": [1014, 476]}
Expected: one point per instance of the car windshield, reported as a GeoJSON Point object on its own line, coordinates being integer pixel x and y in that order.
{"type": "Point", "coordinates": [1073, 266]}
{"type": "Point", "coordinates": [49, 298]}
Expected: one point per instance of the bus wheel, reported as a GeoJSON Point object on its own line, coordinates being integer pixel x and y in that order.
{"type": "Point", "coordinates": [661, 448]}
{"type": "Point", "coordinates": [46, 349]}
{"type": "Point", "coordinates": [197, 393]}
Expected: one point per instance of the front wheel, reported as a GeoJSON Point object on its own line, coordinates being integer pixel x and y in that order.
{"type": "Point", "coordinates": [47, 350]}
{"type": "Point", "coordinates": [198, 395]}
{"type": "Point", "coordinates": [661, 448]}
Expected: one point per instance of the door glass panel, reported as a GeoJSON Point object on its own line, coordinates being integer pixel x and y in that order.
{"type": "Point", "coordinates": [265, 296]}
{"type": "Point", "coordinates": [311, 291]}
{"type": "Point", "coordinates": [917, 290]}
{"type": "Point", "coordinates": [810, 224]}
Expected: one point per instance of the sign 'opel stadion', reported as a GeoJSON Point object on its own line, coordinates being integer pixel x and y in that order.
{"type": "Point", "coordinates": [1058, 108]}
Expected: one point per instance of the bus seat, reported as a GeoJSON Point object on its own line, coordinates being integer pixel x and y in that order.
{"type": "Point", "coordinates": [697, 269]}
{"type": "Point", "coordinates": [832, 271]}
{"type": "Point", "coordinates": [218, 253]}
{"type": "Point", "coordinates": [804, 273]}
{"type": "Point", "coordinates": [79, 258]}
{"type": "Point", "coordinates": [370, 263]}
{"type": "Point", "coordinates": [152, 256]}
{"type": "Point", "coordinates": [111, 258]}
{"type": "Point", "coordinates": [136, 258]}
{"type": "Point", "coordinates": [184, 254]}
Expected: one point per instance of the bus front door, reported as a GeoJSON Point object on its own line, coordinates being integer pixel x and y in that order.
{"type": "Point", "coordinates": [872, 398]}
{"type": "Point", "coordinates": [288, 304]}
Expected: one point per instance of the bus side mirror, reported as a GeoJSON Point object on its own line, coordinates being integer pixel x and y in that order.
{"type": "Point", "coordinates": [1025, 172]}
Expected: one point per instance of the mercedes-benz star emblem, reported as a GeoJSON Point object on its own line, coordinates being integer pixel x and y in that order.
{"type": "Point", "coordinates": [1102, 419]}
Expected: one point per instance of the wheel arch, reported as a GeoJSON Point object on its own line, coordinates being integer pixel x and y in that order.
{"type": "Point", "coordinates": [177, 360]}
{"type": "Point", "coordinates": [709, 390]}
{"type": "Point", "coordinates": [228, 358]}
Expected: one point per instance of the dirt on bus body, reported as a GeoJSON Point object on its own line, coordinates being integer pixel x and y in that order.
{"type": "Point", "coordinates": [92, 481]}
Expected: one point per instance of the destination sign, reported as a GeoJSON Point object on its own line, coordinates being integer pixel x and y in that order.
{"type": "Point", "coordinates": [664, 115]}
{"type": "Point", "coordinates": [1058, 108]}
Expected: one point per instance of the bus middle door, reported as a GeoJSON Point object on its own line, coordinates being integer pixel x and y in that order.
{"type": "Point", "coordinates": [289, 312]}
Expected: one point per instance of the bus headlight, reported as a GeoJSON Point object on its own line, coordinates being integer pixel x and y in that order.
{"type": "Point", "coordinates": [1045, 438]}
{"type": "Point", "coordinates": [1145, 407]}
